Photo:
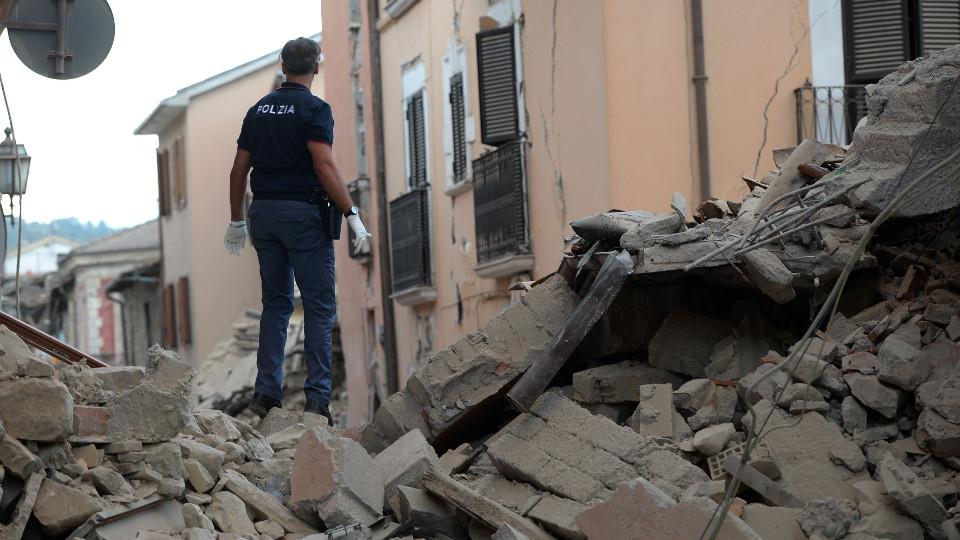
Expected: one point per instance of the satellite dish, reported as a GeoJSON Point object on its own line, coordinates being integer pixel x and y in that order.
{"type": "Point", "coordinates": [61, 39]}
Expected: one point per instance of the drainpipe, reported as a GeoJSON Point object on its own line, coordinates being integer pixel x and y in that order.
{"type": "Point", "coordinates": [700, 91]}
{"type": "Point", "coordinates": [383, 226]}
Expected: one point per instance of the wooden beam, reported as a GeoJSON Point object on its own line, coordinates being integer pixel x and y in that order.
{"type": "Point", "coordinates": [47, 343]}
{"type": "Point", "coordinates": [479, 507]}
{"type": "Point", "coordinates": [605, 288]}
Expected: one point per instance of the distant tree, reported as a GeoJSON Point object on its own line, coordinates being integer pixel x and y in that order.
{"type": "Point", "coordinates": [69, 228]}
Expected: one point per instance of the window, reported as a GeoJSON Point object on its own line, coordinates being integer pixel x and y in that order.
{"type": "Point", "coordinates": [163, 181]}
{"type": "Point", "coordinates": [169, 329]}
{"type": "Point", "coordinates": [880, 35]}
{"type": "Point", "coordinates": [183, 314]}
{"type": "Point", "coordinates": [416, 141]}
{"type": "Point", "coordinates": [458, 128]}
{"type": "Point", "coordinates": [496, 67]}
{"type": "Point", "coordinates": [179, 174]}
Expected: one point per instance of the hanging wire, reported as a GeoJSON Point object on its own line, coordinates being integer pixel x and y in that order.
{"type": "Point", "coordinates": [16, 150]}
{"type": "Point", "coordinates": [828, 309]}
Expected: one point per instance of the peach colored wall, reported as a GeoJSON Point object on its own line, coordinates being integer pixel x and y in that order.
{"type": "Point", "coordinates": [358, 285]}
{"type": "Point", "coordinates": [609, 101]}
{"type": "Point", "coordinates": [221, 286]}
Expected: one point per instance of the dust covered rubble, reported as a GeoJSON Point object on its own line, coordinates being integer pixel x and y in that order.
{"type": "Point", "coordinates": [641, 431]}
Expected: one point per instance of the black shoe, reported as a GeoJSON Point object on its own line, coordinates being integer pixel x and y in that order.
{"type": "Point", "coordinates": [319, 407]}
{"type": "Point", "coordinates": [261, 404]}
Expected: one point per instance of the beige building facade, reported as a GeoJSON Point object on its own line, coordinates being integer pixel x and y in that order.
{"type": "Point", "coordinates": [504, 120]}
{"type": "Point", "coordinates": [205, 288]}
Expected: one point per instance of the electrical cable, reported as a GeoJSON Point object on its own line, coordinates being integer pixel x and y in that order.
{"type": "Point", "coordinates": [16, 151]}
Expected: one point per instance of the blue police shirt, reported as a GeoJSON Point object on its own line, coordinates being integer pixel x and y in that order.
{"type": "Point", "coordinates": [276, 130]}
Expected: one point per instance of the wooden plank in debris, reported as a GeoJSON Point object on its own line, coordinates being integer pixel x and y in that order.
{"type": "Point", "coordinates": [477, 506]}
{"type": "Point", "coordinates": [605, 288]}
{"type": "Point", "coordinates": [765, 487]}
{"type": "Point", "coordinates": [47, 343]}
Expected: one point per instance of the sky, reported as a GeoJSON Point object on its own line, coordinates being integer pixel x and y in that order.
{"type": "Point", "coordinates": [87, 163]}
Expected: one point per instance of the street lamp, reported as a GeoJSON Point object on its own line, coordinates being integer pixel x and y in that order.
{"type": "Point", "coordinates": [12, 181]}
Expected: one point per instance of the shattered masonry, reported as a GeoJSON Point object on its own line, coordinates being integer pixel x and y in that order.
{"type": "Point", "coordinates": [643, 427]}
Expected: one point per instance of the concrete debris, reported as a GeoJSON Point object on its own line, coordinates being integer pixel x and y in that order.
{"type": "Point", "coordinates": [404, 461]}
{"type": "Point", "coordinates": [903, 485]}
{"type": "Point", "coordinates": [829, 519]}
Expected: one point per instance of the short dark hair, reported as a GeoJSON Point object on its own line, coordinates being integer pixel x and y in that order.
{"type": "Point", "coordinates": [300, 55]}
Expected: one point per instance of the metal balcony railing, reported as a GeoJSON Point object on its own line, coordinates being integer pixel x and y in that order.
{"type": "Point", "coordinates": [829, 114]}
{"type": "Point", "coordinates": [410, 240]}
{"type": "Point", "coordinates": [500, 203]}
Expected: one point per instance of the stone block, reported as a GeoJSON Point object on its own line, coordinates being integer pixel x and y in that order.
{"type": "Point", "coordinates": [119, 378]}
{"type": "Point", "coordinates": [854, 415]}
{"type": "Point", "coordinates": [230, 514]}
{"type": "Point", "coordinates": [875, 395]}
{"type": "Point", "coordinates": [172, 487]}
{"type": "Point", "coordinates": [271, 475]}
{"type": "Point", "coordinates": [558, 516]}
{"type": "Point", "coordinates": [685, 341]}
{"type": "Point", "coordinates": [36, 409]}
{"type": "Point", "coordinates": [770, 275]}
{"type": "Point", "coordinates": [60, 508]}
{"type": "Point", "coordinates": [799, 391]}
{"type": "Point", "coordinates": [754, 387]}
{"type": "Point", "coordinates": [109, 482]}
{"type": "Point", "coordinates": [454, 460]}
{"type": "Point", "coordinates": [711, 440]}
{"type": "Point", "coordinates": [617, 383]}
{"type": "Point", "coordinates": [123, 447]}
{"type": "Point", "coordinates": [165, 458]}
{"type": "Point", "coordinates": [807, 368]}
{"type": "Point", "coordinates": [335, 478]}
{"type": "Point", "coordinates": [167, 371]}
{"type": "Point", "coordinates": [639, 510]}
{"type": "Point", "coordinates": [18, 459]}
{"type": "Point", "coordinates": [654, 413]}
{"type": "Point", "coordinates": [802, 451]}
{"type": "Point", "coordinates": [217, 424]}
{"type": "Point", "coordinates": [149, 413]}
{"type": "Point", "coordinates": [937, 435]}
{"type": "Point", "coordinates": [425, 512]}
{"type": "Point", "coordinates": [694, 395]}
{"type": "Point", "coordinates": [277, 420]}
{"type": "Point", "coordinates": [263, 505]}
{"type": "Point", "coordinates": [403, 462]}
{"type": "Point", "coordinates": [901, 364]}
{"type": "Point", "coordinates": [773, 522]}
{"type": "Point", "coordinates": [209, 457]}
{"type": "Point", "coordinates": [848, 454]}
{"type": "Point", "coordinates": [903, 485]}
{"type": "Point", "coordinates": [829, 519]}
{"type": "Point", "coordinates": [90, 454]}
{"type": "Point", "coordinates": [193, 517]}
{"type": "Point", "coordinates": [198, 475]}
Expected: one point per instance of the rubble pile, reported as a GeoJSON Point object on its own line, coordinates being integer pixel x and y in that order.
{"type": "Point", "coordinates": [225, 378]}
{"type": "Point", "coordinates": [666, 375]}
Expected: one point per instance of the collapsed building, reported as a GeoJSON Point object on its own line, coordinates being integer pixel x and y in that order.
{"type": "Point", "coordinates": [785, 366]}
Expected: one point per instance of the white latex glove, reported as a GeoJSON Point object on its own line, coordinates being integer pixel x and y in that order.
{"type": "Point", "coordinates": [359, 232]}
{"type": "Point", "coordinates": [235, 237]}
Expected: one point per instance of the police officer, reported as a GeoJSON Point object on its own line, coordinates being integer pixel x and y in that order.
{"type": "Point", "coordinates": [299, 199]}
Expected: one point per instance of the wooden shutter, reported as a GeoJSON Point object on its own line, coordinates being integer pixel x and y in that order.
{"type": "Point", "coordinates": [876, 38]}
{"type": "Point", "coordinates": [179, 174]}
{"type": "Point", "coordinates": [458, 124]}
{"type": "Point", "coordinates": [416, 140]}
{"type": "Point", "coordinates": [183, 313]}
{"type": "Point", "coordinates": [163, 182]}
{"type": "Point", "coordinates": [939, 24]}
{"type": "Point", "coordinates": [169, 329]}
{"type": "Point", "coordinates": [497, 74]}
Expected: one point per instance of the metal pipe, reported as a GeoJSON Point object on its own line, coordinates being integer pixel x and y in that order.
{"type": "Point", "coordinates": [383, 226]}
{"type": "Point", "coordinates": [700, 91]}
{"type": "Point", "coordinates": [123, 325]}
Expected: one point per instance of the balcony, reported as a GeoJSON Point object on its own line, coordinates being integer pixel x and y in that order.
{"type": "Point", "coordinates": [410, 248]}
{"type": "Point", "coordinates": [500, 212]}
{"type": "Point", "coordinates": [829, 114]}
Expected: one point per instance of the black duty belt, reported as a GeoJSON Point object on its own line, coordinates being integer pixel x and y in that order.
{"type": "Point", "coordinates": [312, 197]}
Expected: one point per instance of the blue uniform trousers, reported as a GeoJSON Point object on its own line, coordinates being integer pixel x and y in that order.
{"type": "Point", "coordinates": [292, 242]}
